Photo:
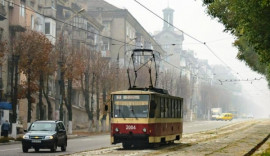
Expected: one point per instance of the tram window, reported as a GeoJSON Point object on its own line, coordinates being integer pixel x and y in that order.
{"type": "Point", "coordinates": [112, 107]}
{"type": "Point", "coordinates": [153, 106]}
{"type": "Point", "coordinates": [172, 108]}
{"type": "Point", "coordinates": [157, 112]}
{"type": "Point", "coordinates": [166, 107]}
{"type": "Point", "coordinates": [179, 108]}
{"type": "Point", "coordinates": [162, 107]}
{"type": "Point", "coordinates": [169, 108]}
{"type": "Point", "coordinates": [175, 108]}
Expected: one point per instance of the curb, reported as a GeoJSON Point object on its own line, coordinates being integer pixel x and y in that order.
{"type": "Point", "coordinates": [18, 142]}
{"type": "Point", "coordinates": [10, 143]}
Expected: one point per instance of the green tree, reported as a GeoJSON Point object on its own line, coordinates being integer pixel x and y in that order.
{"type": "Point", "coordinates": [249, 21]}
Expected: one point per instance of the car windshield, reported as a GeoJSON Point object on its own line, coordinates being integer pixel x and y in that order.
{"type": "Point", "coordinates": [39, 126]}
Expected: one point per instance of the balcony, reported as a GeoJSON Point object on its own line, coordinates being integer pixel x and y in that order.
{"type": "Point", "coordinates": [16, 28]}
{"type": "Point", "coordinates": [2, 12]}
{"type": "Point", "coordinates": [49, 12]}
{"type": "Point", "coordinates": [17, 19]}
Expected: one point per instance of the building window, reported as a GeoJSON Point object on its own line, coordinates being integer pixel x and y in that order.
{"type": "Point", "coordinates": [105, 46]}
{"type": "Point", "coordinates": [107, 25]}
{"type": "Point", "coordinates": [53, 4]}
{"type": "Point", "coordinates": [22, 10]}
{"type": "Point", "coordinates": [32, 22]}
{"type": "Point", "coordinates": [127, 31]}
{"type": "Point", "coordinates": [3, 2]}
{"type": "Point", "coordinates": [47, 28]}
{"type": "Point", "coordinates": [32, 3]}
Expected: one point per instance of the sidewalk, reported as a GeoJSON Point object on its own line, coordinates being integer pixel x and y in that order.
{"type": "Point", "coordinates": [70, 136]}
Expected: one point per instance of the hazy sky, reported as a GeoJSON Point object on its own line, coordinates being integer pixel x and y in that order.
{"type": "Point", "coordinates": [190, 17]}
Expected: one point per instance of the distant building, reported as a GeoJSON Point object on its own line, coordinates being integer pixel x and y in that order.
{"type": "Point", "coordinates": [122, 32]}
{"type": "Point", "coordinates": [84, 34]}
{"type": "Point", "coordinates": [38, 16]}
{"type": "Point", "coordinates": [170, 40]}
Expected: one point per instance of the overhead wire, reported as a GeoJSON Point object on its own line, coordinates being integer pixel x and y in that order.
{"type": "Point", "coordinates": [201, 42]}
{"type": "Point", "coordinates": [63, 22]}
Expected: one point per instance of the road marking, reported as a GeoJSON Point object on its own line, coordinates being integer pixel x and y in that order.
{"type": "Point", "coordinates": [9, 149]}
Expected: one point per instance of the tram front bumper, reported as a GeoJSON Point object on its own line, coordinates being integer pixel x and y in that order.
{"type": "Point", "coordinates": [119, 138]}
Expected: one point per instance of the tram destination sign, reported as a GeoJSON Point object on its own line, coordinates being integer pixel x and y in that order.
{"type": "Point", "coordinates": [131, 97]}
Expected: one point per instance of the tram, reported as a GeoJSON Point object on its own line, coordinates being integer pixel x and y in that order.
{"type": "Point", "coordinates": [145, 116]}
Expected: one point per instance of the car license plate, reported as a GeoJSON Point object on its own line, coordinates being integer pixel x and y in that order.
{"type": "Point", "coordinates": [36, 141]}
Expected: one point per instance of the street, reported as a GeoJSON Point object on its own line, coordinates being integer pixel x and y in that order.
{"type": "Point", "coordinates": [155, 71]}
{"type": "Point", "coordinates": [81, 144]}
{"type": "Point", "coordinates": [240, 138]}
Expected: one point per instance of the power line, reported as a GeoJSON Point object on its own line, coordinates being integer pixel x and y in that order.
{"type": "Point", "coordinates": [204, 43]}
{"type": "Point", "coordinates": [201, 42]}
{"type": "Point", "coordinates": [218, 80]}
{"type": "Point", "coordinates": [63, 22]}
{"type": "Point", "coordinates": [169, 23]}
{"type": "Point", "coordinates": [238, 80]}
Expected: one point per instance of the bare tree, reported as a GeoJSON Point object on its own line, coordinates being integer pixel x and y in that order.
{"type": "Point", "coordinates": [33, 48]}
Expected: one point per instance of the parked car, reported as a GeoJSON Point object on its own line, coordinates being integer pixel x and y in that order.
{"type": "Point", "coordinates": [45, 135]}
{"type": "Point", "coordinates": [225, 116]}
{"type": "Point", "coordinates": [250, 116]}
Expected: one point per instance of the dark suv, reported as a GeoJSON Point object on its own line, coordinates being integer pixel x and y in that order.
{"type": "Point", "coordinates": [45, 134]}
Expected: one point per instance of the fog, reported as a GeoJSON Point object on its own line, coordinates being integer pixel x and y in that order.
{"type": "Point", "coordinates": [190, 17]}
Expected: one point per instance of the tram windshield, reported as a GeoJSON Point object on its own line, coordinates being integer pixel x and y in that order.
{"type": "Point", "coordinates": [130, 106]}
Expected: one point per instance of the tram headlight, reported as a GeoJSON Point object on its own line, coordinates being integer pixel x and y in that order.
{"type": "Point", "coordinates": [116, 129]}
{"type": "Point", "coordinates": [144, 130]}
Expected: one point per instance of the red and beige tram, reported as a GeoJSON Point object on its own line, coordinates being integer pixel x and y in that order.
{"type": "Point", "coordinates": [145, 116]}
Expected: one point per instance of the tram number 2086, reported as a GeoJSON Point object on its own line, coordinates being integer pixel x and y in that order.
{"type": "Point", "coordinates": [130, 127]}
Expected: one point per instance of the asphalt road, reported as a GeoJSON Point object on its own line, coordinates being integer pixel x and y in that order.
{"type": "Point", "coordinates": [197, 126]}
{"type": "Point", "coordinates": [99, 141]}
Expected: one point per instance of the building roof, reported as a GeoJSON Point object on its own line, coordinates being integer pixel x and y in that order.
{"type": "Point", "coordinates": [168, 9]}
{"type": "Point", "coordinates": [101, 7]}
{"type": "Point", "coordinates": [174, 33]}
{"type": "Point", "coordinates": [95, 5]}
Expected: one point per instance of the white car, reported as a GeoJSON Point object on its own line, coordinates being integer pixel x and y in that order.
{"type": "Point", "coordinates": [250, 116]}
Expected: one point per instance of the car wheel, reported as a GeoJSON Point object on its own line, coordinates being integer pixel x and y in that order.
{"type": "Point", "coordinates": [64, 147]}
{"type": "Point", "coordinates": [53, 149]}
{"type": "Point", "coordinates": [25, 149]}
{"type": "Point", "coordinates": [36, 149]}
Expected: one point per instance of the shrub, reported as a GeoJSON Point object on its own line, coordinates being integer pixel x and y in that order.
{"type": "Point", "coordinates": [19, 138]}
{"type": "Point", "coordinates": [4, 139]}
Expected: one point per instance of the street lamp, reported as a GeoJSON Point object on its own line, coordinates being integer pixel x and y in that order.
{"type": "Point", "coordinates": [58, 105]}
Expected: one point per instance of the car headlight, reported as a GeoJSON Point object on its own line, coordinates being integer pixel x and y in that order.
{"type": "Point", "coordinates": [48, 137]}
{"type": "Point", "coordinates": [26, 137]}
{"type": "Point", "coordinates": [116, 130]}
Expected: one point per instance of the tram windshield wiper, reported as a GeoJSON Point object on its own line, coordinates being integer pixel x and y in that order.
{"type": "Point", "coordinates": [121, 113]}
{"type": "Point", "coordinates": [132, 110]}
